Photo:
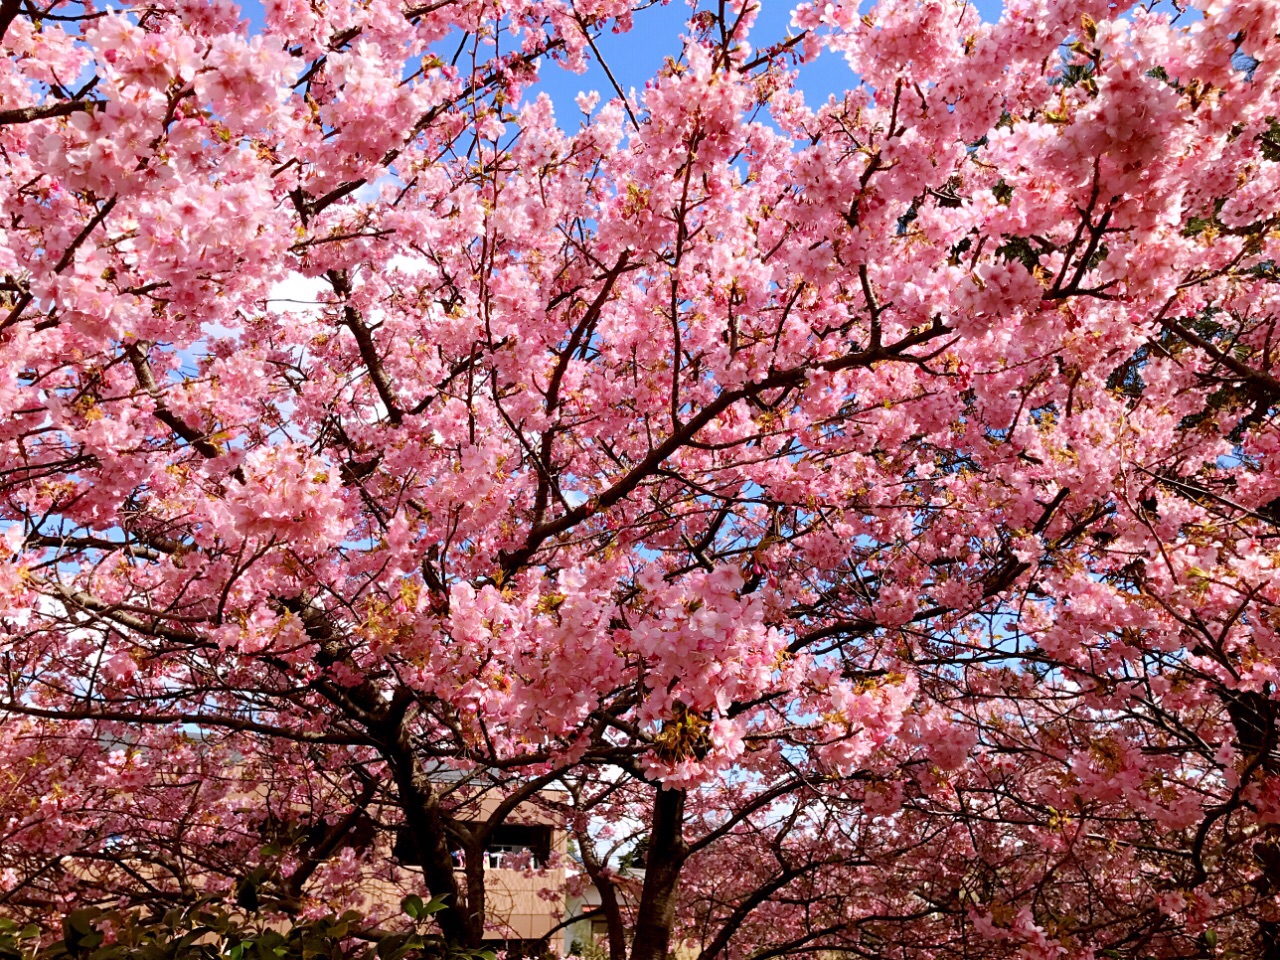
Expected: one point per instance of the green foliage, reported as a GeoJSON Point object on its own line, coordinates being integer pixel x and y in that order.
{"type": "Point", "coordinates": [204, 931]}
{"type": "Point", "coordinates": [1077, 74]}
{"type": "Point", "coordinates": [416, 909]}
{"type": "Point", "coordinates": [209, 930]}
{"type": "Point", "coordinates": [16, 940]}
{"type": "Point", "coordinates": [1020, 249]}
{"type": "Point", "coordinates": [1269, 141]}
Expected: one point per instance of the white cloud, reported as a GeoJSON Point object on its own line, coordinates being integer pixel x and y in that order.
{"type": "Point", "coordinates": [297, 294]}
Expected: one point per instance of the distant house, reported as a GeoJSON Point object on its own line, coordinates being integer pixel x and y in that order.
{"type": "Point", "coordinates": [519, 867]}
{"type": "Point", "coordinates": [526, 863]}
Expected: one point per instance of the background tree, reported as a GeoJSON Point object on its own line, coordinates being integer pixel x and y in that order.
{"type": "Point", "coordinates": [870, 505]}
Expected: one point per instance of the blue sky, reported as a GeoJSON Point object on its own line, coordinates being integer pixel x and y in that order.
{"type": "Point", "coordinates": [637, 56]}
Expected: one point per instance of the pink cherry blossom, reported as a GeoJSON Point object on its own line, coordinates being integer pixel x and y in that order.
{"type": "Point", "coordinates": [852, 521]}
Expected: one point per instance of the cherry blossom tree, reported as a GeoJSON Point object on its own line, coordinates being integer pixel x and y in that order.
{"type": "Point", "coordinates": [860, 513]}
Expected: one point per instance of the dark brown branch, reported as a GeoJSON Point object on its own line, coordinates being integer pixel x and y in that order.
{"type": "Point", "coordinates": [173, 719]}
{"type": "Point", "coordinates": [352, 320]}
{"type": "Point", "coordinates": [146, 379]}
{"type": "Point", "coordinates": [8, 10]}
{"type": "Point", "coordinates": [44, 112]}
{"type": "Point", "coordinates": [1236, 366]}
{"type": "Point", "coordinates": [513, 560]}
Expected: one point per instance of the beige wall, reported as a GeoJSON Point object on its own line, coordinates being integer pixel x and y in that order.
{"type": "Point", "coordinates": [514, 907]}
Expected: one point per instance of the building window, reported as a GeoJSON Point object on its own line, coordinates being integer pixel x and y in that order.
{"type": "Point", "coordinates": [508, 845]}
{"type": "Point", "coordinates": [512, 841]}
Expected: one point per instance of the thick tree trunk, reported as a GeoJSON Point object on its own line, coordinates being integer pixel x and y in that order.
{"type": "Point", "coordinates": [667, 849]}
{"type": "Point", "coordinates": [428, 826]}
{"type": "Point", "coordinates": [430, 843]}
{"type": "Point", "coordinates": [475, 856]}
{"type": "Point", "coordinates": [8, 10]}
{"type": "Point", "coordinates": [609, 905]}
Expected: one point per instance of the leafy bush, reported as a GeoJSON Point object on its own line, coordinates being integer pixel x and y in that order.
{"type": "Point", "coordinates": [210, 930]}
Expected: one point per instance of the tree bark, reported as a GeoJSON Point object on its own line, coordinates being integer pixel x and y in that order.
{"type": "Point", "coordinates": [609, 905]}
{"type": "Point", "coordinates": [667, 850]}
{"type": "Point", "coordinates": [8, 10]}
{"type": "Point", "coordinates": [429, 835]}
{"type": "Point", "coordinates": [474, 851]}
